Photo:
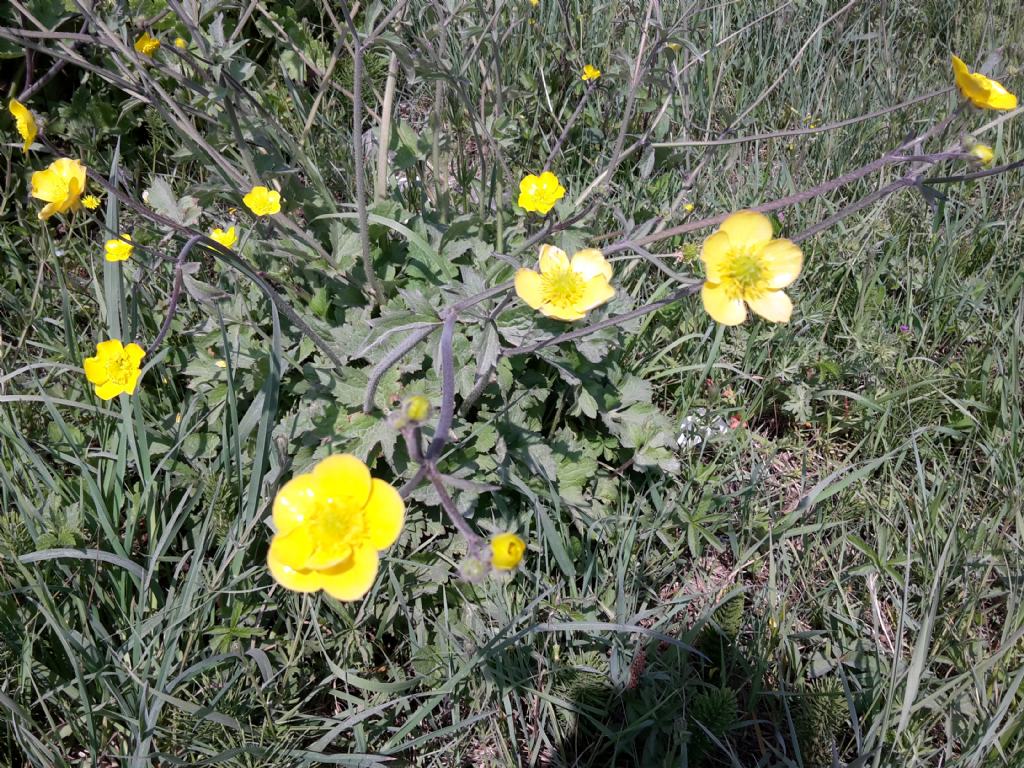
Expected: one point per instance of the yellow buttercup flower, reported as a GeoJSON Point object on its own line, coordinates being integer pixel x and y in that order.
{"type": "Point", "coordinates": [91, 202]}
{"type": "Point", "coordinates": [540, 193]}
{"type": "Point", "coordinates": [263, 201]}
{"type": "Point", "coordinates": [534, 3]}
{"type": "Point", "coordinates": [590, 73]}
{"type": "Point", "coordinates": [119, 249]}
{"type": "Point", "coordinates": [60, 185]}
{"type": "Point", "coordinates": [227, 239]}
{"type": "Point", "coordinates": [564, 289]}
{"type": "Point", "coordinates": [507, 551]}
{"type": "Point", "coordinates": [147, 45]}
{"type": "Point", "coordinates": [25, 122]}
{"type": "Point", "coordinates": [180, 42]}
{"type": "Point", "coordinates": [114, 369]}
{"type": "Point", "coordinates": [983, 153]}
{"type": "Point", "coordinates": [331, 523]}
{"type": "Point", "coordinates": [417, 409]}
{"type": "Point", "coordinates": [980, 90]}
{"type": "Point", "coordinates": [688, 207]}
{"type": "Point", "coordinates": [744, 264]}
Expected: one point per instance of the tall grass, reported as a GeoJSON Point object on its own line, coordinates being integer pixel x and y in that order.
{"type": "Point", "coordinates": [836, 580]}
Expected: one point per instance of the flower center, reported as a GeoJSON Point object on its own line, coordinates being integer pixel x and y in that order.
{"type": "Point", "coordinates": [120, 370]}
{"type": "Point", "coordinates": [336, 528]}
{"type": "Point", "coordinates": [745, 272]}
{"type": "Point", "coordinates": [562, 287]}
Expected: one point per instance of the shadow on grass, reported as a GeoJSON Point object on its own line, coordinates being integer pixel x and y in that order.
{"type": "Point", "coordinates": [720, 706]}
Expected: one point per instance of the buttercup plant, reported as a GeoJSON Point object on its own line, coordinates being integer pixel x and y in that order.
{"type": "Point", "coordinates": [746, 266]}
{"type": "Point", "coordinates": [119, 249]}
{"type": "Point", "coordinates": [539, 194]}
{"type": "Point", "coordinates": [331, 523]}
{"type": "Point", "coordinates": [147, 45]}
{"type": "Point", "coordinates": [115, 369]}
{"type": "Point", "coordinates": [517, 376]}
{"type": "Point", "coordinates": [263, 201]}
{"type": "Point", "coordinates": [60, 185]}
{"type": "Point", "coordinates": [25, 122]}
{"type": "Point", "coordinates": [981, 91]}
{"type": "Point", "coordinates": [566, 289]}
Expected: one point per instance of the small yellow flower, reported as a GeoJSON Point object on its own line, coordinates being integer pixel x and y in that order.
{"type": "Point", "coordinates": [180, 42]}
{"type": "Point", "coordinates": [331, 523]}
{"type": "Point", "coordinates": [25, 122]}
{"type": "Point", "coordinates": [564, 289]}
{"type": "Point", "coordinates": [119, 249]}
{"type": "Point", "coordinates": [114, 369]}
{"type": "Point", "coordinates": [147, 45]}
{"type": "Point", "coordinates": [506, 551]}
{"type": "Point", "coordinates": [590, 73]}
{"type": "Point", "coordinates": [540, 193]}
{"type": "Point", "coordinates": [534, 3]}
{"type": "Point", "coordinates": [227, 239]}
{"type": "Point", "coordinates": [980, 90]}
{"type": "Point", "coordinates": [688, 207]}
{"type": "Point", "coordinates": [91, 202]}
{"type": "Point", "coordinates": [674, 47]}
{"type": "Point", "coordinates": [417, 409]}
{"type": "Point", "coordinates": [221, 363]}
{"type": "Point", "coordinates": [983, 153]}
{"type": "Point", "coordinates": [744, 264]}
{"type": "Point", "coordinates": [60, 185]}
{"type": "Point", "coordinates": [263, 201]}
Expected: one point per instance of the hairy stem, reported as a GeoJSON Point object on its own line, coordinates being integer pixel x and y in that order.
{"type": "Point", "coordinates": [172, 306]}
{"type": "Point", "coordinates": [444, 419]}
{"type": "Point", "coordinates": [376, 292]}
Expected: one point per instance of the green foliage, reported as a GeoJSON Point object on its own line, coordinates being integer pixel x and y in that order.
{"type": "Point", "coordinates": [857, 522]}
{"type": "Point", "coordinates": [820, 716]}
{"type": "Point", "coordinates": [712, 713]}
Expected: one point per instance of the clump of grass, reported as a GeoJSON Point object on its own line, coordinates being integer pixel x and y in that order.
{"type": "Point", "coordinates": [864, 495]}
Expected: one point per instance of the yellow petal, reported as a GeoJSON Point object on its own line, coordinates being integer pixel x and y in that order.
{"type": "Point", "coordinates": [48, 185]}
{"type": "Point", "coordinates": [108, 390]}
{"type": "Point", "coordinates": [506, 551]}
{"type": "Point", "coordinates": [552, 259]}
{"type": "Point", "coordinates": [528, 184]}
{"type": "Point", "coordinates": [529, 287]}
{"type": "Point", "coordinates": [292, 578]}
{"type": "Point", "coordinates": [135, 352]}
{"type": "Point", "coordinates": [999, 97]}
{"type": "Point", "coordinates": [774, 306]}
{"type": "Point", "coordinates": [78, 175]}
{"type": "Point", "coordinates": [293, 548]}
{"type": "Point", "coordinates": [715, 255]}
{"type": "Point", "coordinates": [384, 515]}
{"type": "Point", "coordinates": [352, 579]}
{"type": "Point", "coordinates": [118, 249]}
{"type": "Point", "coordinates": [25, 122]}
{"type": "Point", "coordinates": [344, 479]}
{"type": "Point", "coordinates": [47, 211]}
{"type": "Point", "coordinates": [722, 309]}
{"type": "Point", "coordinates": [595, 293]}
{"type": "Point", "coordinates": [227, 239]}
{"type": "Point", "coordinates": [558, 313]}
{"type": "Point", "coordinates": [590, 262]}
{"type": "Point", "coordinates": [74, 195]}
{"type": "Point", "coordinates": [747, 229]}
{"type": "Point", "coordinates": [95, 370]}
{"type": "Point", "coordinates": [109, 348]}
{"type": "Point", "coordinates": [959, 67]}
{"type": "Point", "coordinates": [294, 502]}
{"type": "Point", "coordinates": [133, 382]}
{"type": "Point", "coordinates": [782, 260]}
